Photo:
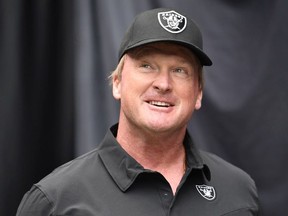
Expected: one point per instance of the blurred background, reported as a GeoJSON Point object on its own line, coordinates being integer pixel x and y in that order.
{"type": "Point", "coordinates": [56, 103]}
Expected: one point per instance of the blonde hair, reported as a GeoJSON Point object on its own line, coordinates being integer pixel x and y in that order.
{"type": "Point", "coordinates": [117, 71]}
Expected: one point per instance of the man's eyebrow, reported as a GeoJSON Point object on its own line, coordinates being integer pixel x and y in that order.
{"type": "Point", "coordinates": [141, 51]}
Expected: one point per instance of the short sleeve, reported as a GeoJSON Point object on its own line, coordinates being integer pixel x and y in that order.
{"type": "Point", "coordinates": [35, 203]}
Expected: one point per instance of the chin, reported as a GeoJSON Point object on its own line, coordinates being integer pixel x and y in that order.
{"type": "Point", "coordinates": [161, 128]}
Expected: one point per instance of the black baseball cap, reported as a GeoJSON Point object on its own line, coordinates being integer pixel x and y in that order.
{"type": "Point", "coordinates": [163, 24]}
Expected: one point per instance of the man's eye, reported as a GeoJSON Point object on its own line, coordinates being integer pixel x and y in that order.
{"type": "Point", "coordinates": [179, 70]}
{"type": "Point", "coordinates": [182, 72]}
{"type": "Point", "coordinates": [145, 66]}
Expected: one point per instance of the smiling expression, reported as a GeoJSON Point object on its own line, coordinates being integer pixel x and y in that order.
{"type": "Point", "coordinates": [158, 88]}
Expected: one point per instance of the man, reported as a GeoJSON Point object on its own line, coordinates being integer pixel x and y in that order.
{"type": "Point", "coordinates": [147, 163]}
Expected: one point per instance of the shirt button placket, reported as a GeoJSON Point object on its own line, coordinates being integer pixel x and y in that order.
{"type": "Point", "coordinates": [166, 197]}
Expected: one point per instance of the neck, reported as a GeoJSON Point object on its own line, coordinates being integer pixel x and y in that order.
{"type": "Point", "coordinates": [161, 152]}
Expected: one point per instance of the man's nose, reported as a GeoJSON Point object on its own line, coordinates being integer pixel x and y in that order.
{"type": "Point", "coordinates": [163, 81]}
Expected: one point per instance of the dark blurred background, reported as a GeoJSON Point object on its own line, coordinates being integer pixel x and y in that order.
{"type": "Point", "coordinates": [55, 101]}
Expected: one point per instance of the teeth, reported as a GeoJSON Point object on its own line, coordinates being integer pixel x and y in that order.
{"type": "Point", "coordinates": [159, 103]}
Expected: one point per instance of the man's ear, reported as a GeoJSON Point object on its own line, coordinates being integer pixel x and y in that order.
{"type": "Point", "coordinates": [116, 87]}
{"type": "Point", "coordinates": [199, 100]}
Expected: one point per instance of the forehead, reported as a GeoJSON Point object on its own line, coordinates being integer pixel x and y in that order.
{"type": "Point", "coordinates": [165, 48]}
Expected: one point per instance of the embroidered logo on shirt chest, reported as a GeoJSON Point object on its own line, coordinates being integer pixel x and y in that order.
{"type": "Point", "coordinates": [208, 192]}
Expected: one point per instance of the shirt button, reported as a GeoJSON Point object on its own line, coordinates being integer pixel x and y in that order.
{"type": "Point", "coordinates": [166, 196]}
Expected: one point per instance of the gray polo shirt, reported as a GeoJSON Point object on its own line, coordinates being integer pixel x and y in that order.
{"type": "Point", "coordinates": [109, 182]}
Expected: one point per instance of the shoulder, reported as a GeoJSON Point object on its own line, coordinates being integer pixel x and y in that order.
{"type": "Point", "coordinates": [74, 167]}
{"type": "Point", "coordinates": [73, 176]}
{"type": "Point", "coordinates": [78, 169]}
{"type": "Point", "coordinates": [232, 184]}
{"type": "Point", "coordinates": [56, 192]}
{"type": "Point", "coordinates": [35, 203]}
{"type": "Point", "coordinates": [220, 167]}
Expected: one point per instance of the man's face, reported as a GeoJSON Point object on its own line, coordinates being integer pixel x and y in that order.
{"type": "Point", "coordinates": [159, 88]}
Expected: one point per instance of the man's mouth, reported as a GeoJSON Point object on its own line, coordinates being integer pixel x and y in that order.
{"type": "Point", "coordinates": [160, 103]}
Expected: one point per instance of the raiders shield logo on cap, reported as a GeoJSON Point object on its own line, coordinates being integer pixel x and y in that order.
{"type": "Point", "coordinates": [208, 192]}
{"type": "Point", "coordinates": [172, 21]}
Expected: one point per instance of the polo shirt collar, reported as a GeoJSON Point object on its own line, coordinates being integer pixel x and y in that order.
{"type": "Point", "coordinates": [124, 169]}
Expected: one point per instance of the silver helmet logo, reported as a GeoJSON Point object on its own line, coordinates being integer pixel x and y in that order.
{"type": "Point", "coordinates": [208, 192]}
{"type": "Point", "coordinates": [172, 21]}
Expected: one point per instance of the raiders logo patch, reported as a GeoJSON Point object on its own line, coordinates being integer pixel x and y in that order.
{"type": "Point", "coordinates": [172, 21]}
{"type": "Point", "coordinates": [208, 192]}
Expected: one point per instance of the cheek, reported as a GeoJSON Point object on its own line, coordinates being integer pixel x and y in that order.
{"type": "Point", "coordinates": [133, 83]}
{"type": "Point", "coordinates": [191, 97]}
{"type": "Point", "coordinates": [128, 90]}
